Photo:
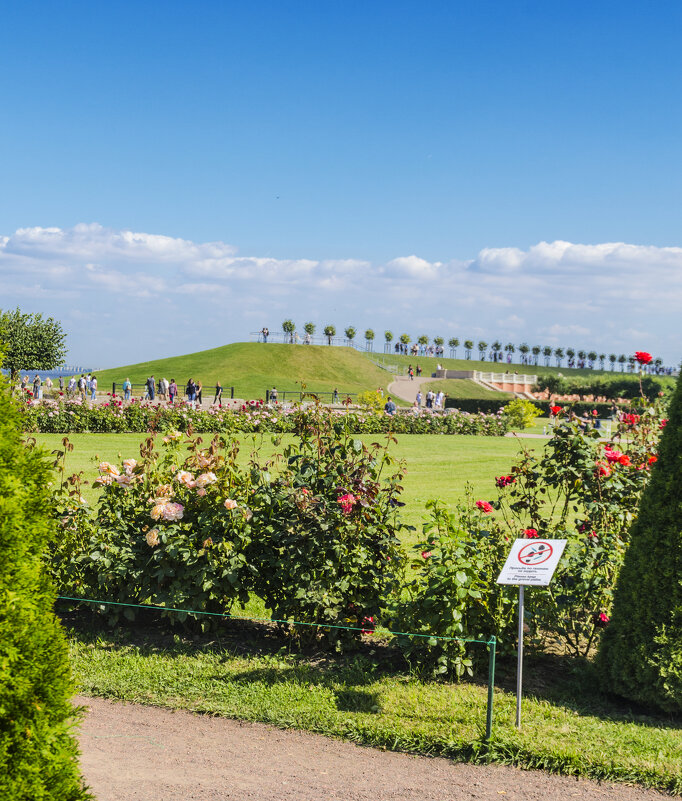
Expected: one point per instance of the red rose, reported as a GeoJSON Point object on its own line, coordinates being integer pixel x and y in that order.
{"type": "Point", "coordinates": [484, 506]}
{"type": "Point", "coordinates": [653, 459]}
{"type": "Point", "coordinates": [555, 409]}
{"type": "Point", "coordinates": [643, 357]}
{"type": "Point", "coordinates": [624, 459]}
{"type": "Point", "coordinates": [530, 533]}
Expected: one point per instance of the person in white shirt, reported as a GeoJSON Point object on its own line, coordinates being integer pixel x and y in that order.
{"type": "Point", "coordinates": [93, 388]}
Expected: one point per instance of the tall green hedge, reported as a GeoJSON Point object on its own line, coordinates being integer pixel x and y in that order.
{"type": "Point", "coordinates": [38, 753]}
{"type": "Point", "coordinates": [641, 652]}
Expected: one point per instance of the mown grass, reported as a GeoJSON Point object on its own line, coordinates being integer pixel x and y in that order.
{"type": "Point", "coordinates": [252, 368]}
{"type": "Point", "coordinates": [370, 697]}
{"type": "Point", "coordinates": [465, 388]}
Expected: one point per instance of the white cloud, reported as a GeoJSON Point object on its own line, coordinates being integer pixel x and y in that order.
{"type": "Point", "coordinates": [596, 295]}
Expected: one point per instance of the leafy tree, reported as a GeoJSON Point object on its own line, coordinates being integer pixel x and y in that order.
{"type": "Point", "coordinates": [369, 335]}
{"type": "Point", "coordinates": [622, 359]}
{"type": "Point", "coordinates": [547, 353]}
{"type": "Point", "coordinates": [582, 355]}
{"type": "Point", "coordinates": [38, 753]}
{"type": "Point", "coordinates": [309, 328]}
{"type": "Point", "coordinates": [30, 342]}
{"type": "Point", "coordinates": [438, 341]}
{"type": "Point", "coordinates": [468, 347]}
{"type": "Point", "coordinates": [330, 333]}
{"type": "Point", "coordinates": [559, 354]}
{"type": "Point", "coordinates": [570, 353]}
{"type": "Point", "coordinates": [482, 347]}
{"type": "Point", "coordinates": [288, 326]}
{"type": "Point", "coordinates": [350, 333]}
{"type": "Point", "coordinates": [602, 359]}
{"type": "Point", "coordinates": [641, 651]}
{"type": "Point", "coordinates": [613, 359]}
{"type": "Point", "coordinates": [536, 353]}
{"type": "Point", "coordinates": [405, 339]}
{"type": "Point", "coordinates": [423, 340]}
{"type": "Point", "coordinates": [509, 347]}
{"type": "Point", "coordinates": [453, 342]}
{"type": "Point", "coordinates": [388, 336]}
{"type": "Point", "coordinates": [524, 350]}
{"type": "Point", "coordinates": [592, 356]}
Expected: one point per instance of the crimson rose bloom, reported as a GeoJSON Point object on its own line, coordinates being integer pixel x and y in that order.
{"type": "Point", "coordinates": [530, 533]}
{"type": "Point", "coordinates": [555, 409]}
{"type": "Point", "coordinates": [484, 506]}
{"type": "Point", "coordinates": [643, 357]}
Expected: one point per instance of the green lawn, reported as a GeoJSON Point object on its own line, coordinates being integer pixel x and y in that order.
{"type": "Point", "coordinates": [252, 368]}
{"type": "Point", "coordinates": [368, 697]}
{"type": "Point", "coordinates": [437, 466]}
{"type": "Point", "coordinates": [465, 388]}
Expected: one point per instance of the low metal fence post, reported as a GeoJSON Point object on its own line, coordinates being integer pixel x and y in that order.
{"type": "Point", "coordinates": [113, 390]}
{"type": "Point", "coordinates": [492, 646]}
{"type": "Point", "coordinates": [231, 393]}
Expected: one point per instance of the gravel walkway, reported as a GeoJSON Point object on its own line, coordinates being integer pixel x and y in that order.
{"type": "Point", "coordinates": [140, 753]}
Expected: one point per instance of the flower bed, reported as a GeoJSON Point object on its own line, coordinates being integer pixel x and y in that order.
{"type": "Point", "coordinates": [75, 416]}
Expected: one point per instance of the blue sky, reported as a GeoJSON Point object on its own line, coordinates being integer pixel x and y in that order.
{"type": "Point", "coordinates": [346, 136]}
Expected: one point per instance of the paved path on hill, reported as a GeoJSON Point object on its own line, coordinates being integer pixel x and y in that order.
{"type": "Point", "coordinates": [406, 390]}
{"type": "Point", "coordinates": [139, 753]}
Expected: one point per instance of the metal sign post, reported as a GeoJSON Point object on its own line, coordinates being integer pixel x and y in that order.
{"type": "Point", "coordinates": [519, 660]}
{"type": "Point", "coordinates": [531, 562]}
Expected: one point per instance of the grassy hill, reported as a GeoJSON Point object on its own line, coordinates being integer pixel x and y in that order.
{"type": "Point", "coordinates": [464, 388]}
{"type": "Point", "coordinates": [253, 367]}
{"type": "Point", "coordinates": [428, 365]}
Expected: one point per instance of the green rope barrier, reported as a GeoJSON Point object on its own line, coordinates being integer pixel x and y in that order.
{"type": "Point", "coordinates": [274, 620]}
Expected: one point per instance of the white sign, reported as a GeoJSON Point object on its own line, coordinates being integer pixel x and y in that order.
{"type": "Point", "coordinates": [532, 562]}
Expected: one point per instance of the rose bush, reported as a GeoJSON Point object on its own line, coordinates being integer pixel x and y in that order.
{"type": "Point", "coordinates": [75, 416]}
{"type": "Point", "coordinates": [313, 533]}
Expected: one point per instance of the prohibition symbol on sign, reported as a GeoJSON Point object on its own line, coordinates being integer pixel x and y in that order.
{"type": "Point", "coordinates": [535, 553]}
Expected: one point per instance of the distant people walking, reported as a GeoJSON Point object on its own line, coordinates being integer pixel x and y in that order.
{"type": "Point", "coordinates": [191, 391]}
{"type": "Point", "coordinates": [93, 388]}
{"type": "Point", "coordinates": [151, 387]}
{"type": "Point", "coordinates": [48, 384]}
{"type": "Point", "coordinates": [335, 396]}
{"type": "Point", "coordinates": [266, 333]}
{"type": "Point", "coordinates": [218, 393]}
{"type": "Point", "coordinates": [273, 395]}
{"type": "Point", "coordinates": [418, 400]}
{"type": "Point", "coordinates": [163, 388]}
{"type": "Point", "coordinates": [37, 387]}
{"type": "Point", "coordinates": [410, 372]}
{"type": "Point", "coordinates": [127, 389]}
{"type": "Point", "coordinates": [172, 391]}
{"type": "Point", "coordinates": [61, 383]}
{"type": "Point", "coordinates": [199, 390]}
{"type": "Point", "coordinates": [82, 386]}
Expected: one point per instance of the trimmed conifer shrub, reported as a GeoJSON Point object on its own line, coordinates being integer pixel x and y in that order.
{"type": "Point", "coordinates": [640, 657]}
{"type": "Point", "coordinates": [38, 753]}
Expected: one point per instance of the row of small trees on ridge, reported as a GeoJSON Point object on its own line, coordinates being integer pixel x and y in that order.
{"type": "Point", "coordinates": [530, 355]}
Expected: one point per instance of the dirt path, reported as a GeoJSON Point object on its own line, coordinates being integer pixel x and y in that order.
{"type": "Point", "coordinates": [140, 753]}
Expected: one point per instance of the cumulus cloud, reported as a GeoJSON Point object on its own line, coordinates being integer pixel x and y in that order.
{"type": "Point", "coordinates": [614, 296]}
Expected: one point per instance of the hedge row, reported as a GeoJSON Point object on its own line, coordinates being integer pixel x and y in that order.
{"type": "Point", "coordinates": [490, 406]}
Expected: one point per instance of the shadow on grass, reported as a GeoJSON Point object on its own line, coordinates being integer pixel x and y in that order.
{"type": "Point", "coordinates": [566, 682]}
